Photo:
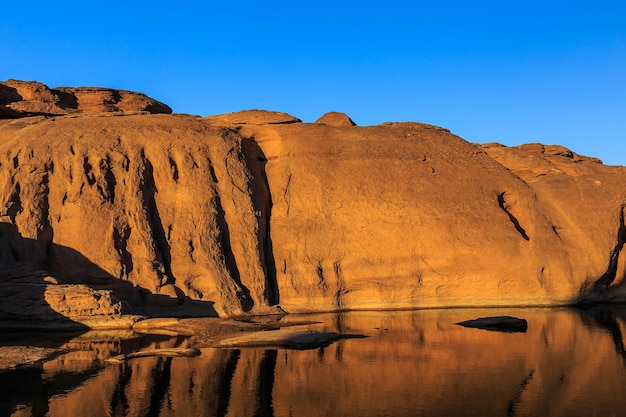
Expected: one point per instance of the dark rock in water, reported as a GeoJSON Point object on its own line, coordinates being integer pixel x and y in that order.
{"type": "Point", "coordinates": [498, 324]}
{"type": "Point", "coordinates": [303, 339]}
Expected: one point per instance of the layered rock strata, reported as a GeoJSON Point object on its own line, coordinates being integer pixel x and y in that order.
{"type": "Point", "coordinates": [24, 99]}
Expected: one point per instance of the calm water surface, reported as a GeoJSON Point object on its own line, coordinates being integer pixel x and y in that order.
{"type": "Point", "coordinates": [414, 363]}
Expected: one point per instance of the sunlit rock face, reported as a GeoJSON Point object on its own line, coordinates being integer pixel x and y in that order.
{"type": "Point", "coordinates": [409, 215]}
{"type": "Point", "coordinates": [30, 98]}
{"type": "Point", "coordinates": [159, 207]}
{"type": "Point", "coordinates": [244, 212]}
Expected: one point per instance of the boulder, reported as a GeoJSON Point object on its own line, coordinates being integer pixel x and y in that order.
{"type": "Point", "coordinates": [292, 339]}
{"type": "Point", "coordinates": [334, 118]}
{"type": "Point", "coordinates": [497, 323]}
{"type": "Point", "coordinates": [252, 117]}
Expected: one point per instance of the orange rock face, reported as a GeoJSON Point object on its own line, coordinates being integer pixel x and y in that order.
{"type": "Point", "coordinates": [334, 118]}
{"type": "Point", "coordinates": [244, 212]}
{"type": "Point", "coordinates": [23, 99]}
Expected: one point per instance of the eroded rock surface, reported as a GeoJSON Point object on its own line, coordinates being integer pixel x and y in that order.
{"type": "Point", "coordinates": [334, 118]}
{"type": "Point", "coordinates": [30, 98]}
{"type": "Point", "coordinates": [245, 212]}
{"type": "Point", "coordinates": [252, 117]}
{"type": "Point", "coordinates": [162, 209]}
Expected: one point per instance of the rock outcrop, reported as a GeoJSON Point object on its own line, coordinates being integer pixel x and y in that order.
{"type": "Point", "coordinates": [334, 118]}
{"type": "Point", "coordinates": [245, 212]}
{"type": "Point", "coordinates": [252, 117]}
{"type": "Point", "coordinates": [24, 99]}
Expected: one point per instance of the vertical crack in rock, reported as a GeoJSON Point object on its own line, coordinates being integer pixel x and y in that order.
{"type": "Point", "coordinates": [162, 249]}
{"type": "Point", "coordinates": [541, 277]}
{"type": "Point", "coordinates": [287, 193]}
{"type": "Point", "coordinates": [120, 239]}
{"type": "Point", "coordinates": [88, 171]}
{"type": "Point", "coordinates": [174, 168]}
{"type": "Point", "coordinates": [609, 276]}
{"type": "Point", "coordinates": [262, 203]}
{"type": "Point", "coordinates": [107, 189]}
{"type": "Point", "coordinates": [230, 262]}
{"type": "Point", "coordinates": [512, 218]}
{"type": "Point", "coordinates": [319, 270]}
{"type": "Point", "coordinates": [341, 291]}
{"type": "Point", "coordinates": [517, 398]}
{"type": "Point", "coordinates": [45, 232]}
{"type": "Point", "coordinates": [13, 206]}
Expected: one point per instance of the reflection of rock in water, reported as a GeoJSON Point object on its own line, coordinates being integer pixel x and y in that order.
{"type": "Point", "coordinates": [608, 318]}
{"type": "Point", "coordinates": [413, 362]}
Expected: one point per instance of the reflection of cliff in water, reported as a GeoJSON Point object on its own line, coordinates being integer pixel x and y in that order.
{"type": "Point", "coordinates": [414, 363]}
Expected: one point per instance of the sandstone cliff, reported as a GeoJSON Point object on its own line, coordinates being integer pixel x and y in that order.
{"type": "Point", "coordinates": [245, 212]}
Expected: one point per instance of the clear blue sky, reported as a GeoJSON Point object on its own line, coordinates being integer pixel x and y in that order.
{"type": "Point", "coordinates": [505, 71]}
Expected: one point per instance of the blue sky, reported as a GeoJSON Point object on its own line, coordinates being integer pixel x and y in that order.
{"type": "Point", "coordinates": [511, 72]}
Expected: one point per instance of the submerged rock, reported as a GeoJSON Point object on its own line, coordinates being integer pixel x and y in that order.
{"type": "Point", "coordinates": [497, 323]}
{"type": "Point", "coordinates": [303, 339]}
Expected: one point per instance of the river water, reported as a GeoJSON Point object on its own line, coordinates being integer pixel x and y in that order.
{"type": "Point", "coordinates": [413, 363]}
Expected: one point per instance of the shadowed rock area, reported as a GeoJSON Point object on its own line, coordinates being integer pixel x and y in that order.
{"type": "Point", "coordinates": [257, 213]}
{"type": "Point", "coordinates": [498, 323]}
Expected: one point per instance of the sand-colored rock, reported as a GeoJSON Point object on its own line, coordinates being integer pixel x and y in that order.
{"type": "Point", "coordinates": [162, 209]}
{"type": "Point", "coordinates": [30, 98]}
{"type": "Point", "coordinates": [244, 212]}
{"type": "Point", "coordinates": [334, 118]}
{"type": "Point", "coordinates": [408, 215]}
{"type": "Point", "coordinates": [291, 339]}
{"type": "Point", "coordinates": [252, 117]}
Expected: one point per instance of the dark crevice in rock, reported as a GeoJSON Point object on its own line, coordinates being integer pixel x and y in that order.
{"type": "Point", "coordinates": [45, 234]}
{"type": "Point", "coordinates": [66, 100]}
{"type": "Point", "coordinates": [286, 194]}
{"type": "Point", "coordinates": [230, 262]}
{"type": "Point", "coordinates": [120, 239]}
{"type": "Point", "coordinates": [512, 218]}
{"type": "Point", "coordinates": [162, 247]}
{"type": "Point", "coordinates": [87, 169]}
{"type": "Point", "coordinates": [14, 206]}
{"type": "Point", "coordinates": [341, 291]}
{"type": "Point", "coordinates": [174, 167]}
{"type": "Point", "coordinates": [609, 276]}
{"type": "Point", "coordinates": [262, 203]}
{"type": "Point", "coordinates": [319, 270]}
{"type": "Point", "coordinates": [108, 194]}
